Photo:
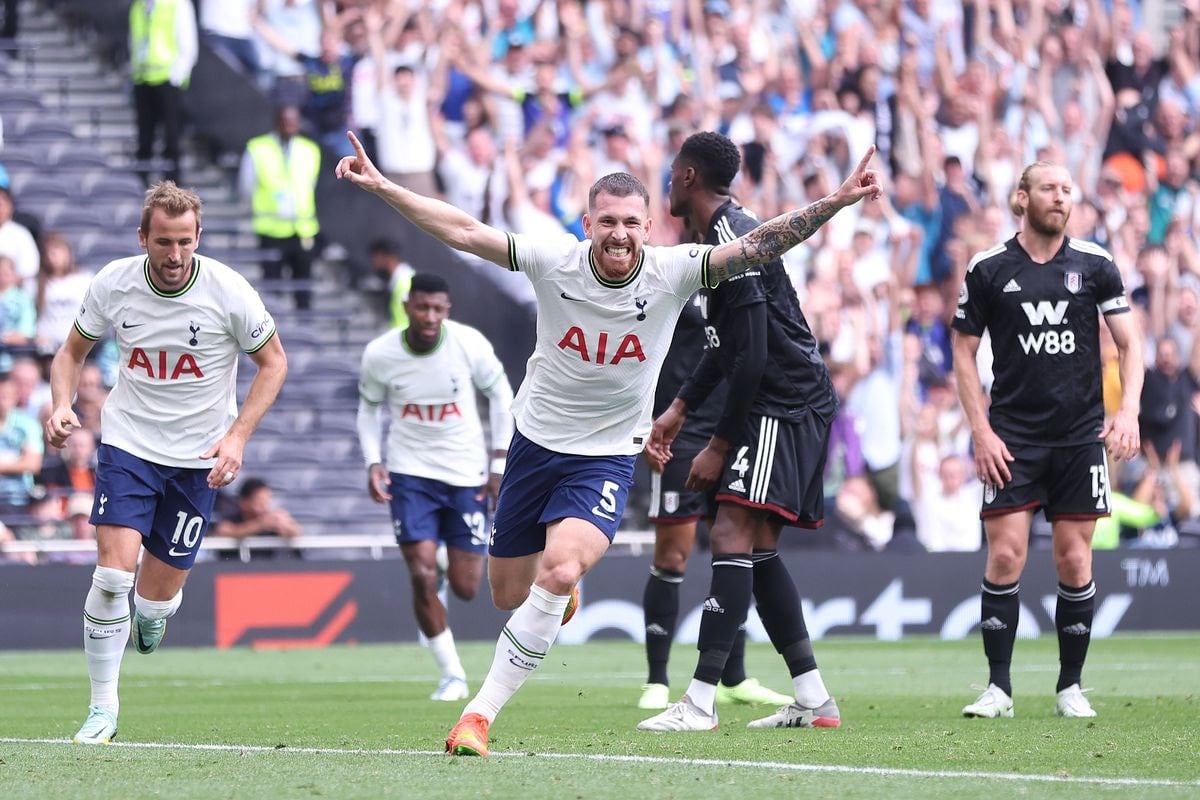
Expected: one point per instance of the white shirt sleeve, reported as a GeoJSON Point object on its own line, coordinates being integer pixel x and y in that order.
{"type": "Point", "coordinates": [187, 40]}
{"type": "Point", "coordinates": [535, 256]}
{"type": "Point", "coordinates": [685, 267]}
{"type": "Point", "coordinates": [252, 325]}
{"type": "Point", "coordinates": [93, 320]}
{"type": "Point", "coordinates": [488, 375]}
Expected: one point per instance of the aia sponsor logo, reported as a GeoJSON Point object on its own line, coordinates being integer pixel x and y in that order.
{"type": "Point", "coordinates": [602, 351]}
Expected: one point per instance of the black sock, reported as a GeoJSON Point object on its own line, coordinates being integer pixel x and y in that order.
{"type": "Point", "coordinates": [735, 665]}
{"type": "Point", "coordinates": [1000, 611]}
{"type": "Point", "coordinates": [779, 609]}
{"type": "Point", "coordinates": [724, 612]}
{"type": "Point", "coordinates": [660, 608]}
{"type": "Point", "coordinates": [1073, 618]}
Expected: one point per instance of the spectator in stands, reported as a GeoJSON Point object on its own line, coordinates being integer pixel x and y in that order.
{"type": "Point", "coordinates": [90, 397]}
{"type": "Point", "coordinates": [226, 26]}
{"type": "Point", "coordinates": [1167, 419]}
{"type": "Point", "coordinates": [327, 76]}
{"type": "Point", "coordinates": [33, 391]}
{"type": "Point", "coordinates": [947, 511]}
{"type": "Point", "coordinates": [163, 49]}
{"type": "Point", "coordinates": [258, 515]}
{"type": "Point", "coordinates": [397, 275]}
{"type": "Point", "coordinates": [21, 451]}
{"type": "Point", "coordinates": [73, 469]}
{"type": "Point", "coordinates": [404, 136]}
{"type": "Point", "coordinates": [279, 173]}
{"type": "Point", "coordinates": [18, 318]}
{"type": "Point", "coordinates": [60, 290]}
{"type": "Point", "coordinates": [17, 242]}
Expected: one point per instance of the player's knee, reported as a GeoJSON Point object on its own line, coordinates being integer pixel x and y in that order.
{"type": "Point", "coordinates": [672, 560]}
{"type": "Point", "coordinates": [464, 587]}
{"type": "Point", "coordinates": [508, 598]}
{"type": "Point", "coordinates": [424, 578]}
{"type": "Point", "coordinates": [1074, 566]}
{"type": "Point", "coordinates": [115, 582]}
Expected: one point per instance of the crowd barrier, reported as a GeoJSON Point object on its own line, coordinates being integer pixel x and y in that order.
{"type": "Point", "coordinates": [286, 602]}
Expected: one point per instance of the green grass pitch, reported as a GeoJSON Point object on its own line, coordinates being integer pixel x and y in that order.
{"type": "Point", "coordinates": [355, 722]}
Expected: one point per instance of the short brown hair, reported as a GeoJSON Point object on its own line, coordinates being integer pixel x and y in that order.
{"type": "Point", "coordinates": [618, 184]}
{"type": "Point", "coordinates": [172, 199]}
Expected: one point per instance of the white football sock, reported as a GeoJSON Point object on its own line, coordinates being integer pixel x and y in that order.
{"type": "Point", "coordinates": [105, 632]}
{"type": "Point", "coordinates": [523, 643]}
{"type": "Point", "coordinates": [810, 689]}
{"type": "Point", "coordinates": [446, 655]}
{"type": "Point", "coordinates": [157, 609]}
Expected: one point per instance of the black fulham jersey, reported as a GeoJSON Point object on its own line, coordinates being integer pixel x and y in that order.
{"type": "Point", "coordinates": [687, 347]}
{"type": "Point", "coordinates": [795, 377]}
{"type": "Point", "coordinates": [1045, 333]}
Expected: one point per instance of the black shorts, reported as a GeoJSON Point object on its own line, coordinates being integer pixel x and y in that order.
{"type": "Point", "coordinates": [1067, 482]}
{"type": "Point", "coordinates": [670, 499]}
{"type": "Point", "coordinates": [779, 465]}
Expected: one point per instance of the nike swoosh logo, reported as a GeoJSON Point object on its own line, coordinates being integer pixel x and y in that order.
{"type": "Point", "coordinates": [566, 296]}
{"type": "Point", "coordinates": [134, 325]}
{"type": "Point", "coordinates": [177, 555]}
{"type": "Point", "coordinates": [102, 635]}
{"type": "Point", "coordinates": [596, 510]}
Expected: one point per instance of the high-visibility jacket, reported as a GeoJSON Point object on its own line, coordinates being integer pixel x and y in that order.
{"type": "Point", "coordinates": [284, 202]}
{"type": "Point", "coordinates": [152, 44]}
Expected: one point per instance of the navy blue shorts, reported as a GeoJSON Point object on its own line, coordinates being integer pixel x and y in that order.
{"type": "Point", "coordinates": [541, 487]}
{"type": "Point", "coordinates": [170, 506]}
{"type": "Point", "coordinates": [427, 509]}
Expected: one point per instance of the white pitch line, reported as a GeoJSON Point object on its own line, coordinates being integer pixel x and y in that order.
{"type": "Point", "coordinates": [885, 772]}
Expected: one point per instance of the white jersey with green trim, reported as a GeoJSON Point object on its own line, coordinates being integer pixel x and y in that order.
{"type": "Point", "coordinates": [175, 395]}
{"type": "Point", "coordinates": [589, 385]}
{"type": "Point", "coordinates": [435, 428]}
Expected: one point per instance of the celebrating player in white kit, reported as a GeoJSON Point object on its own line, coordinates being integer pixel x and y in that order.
{"type": "Point", "coordinates": [171, 433]}
{"type": "Point", "coordinates": [607, 307]}
{"type": "Point", "coordinates": [438, 476]}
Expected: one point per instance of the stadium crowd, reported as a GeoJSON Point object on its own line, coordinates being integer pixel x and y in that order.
{"type": "Point", "coordinates": [510, 109]}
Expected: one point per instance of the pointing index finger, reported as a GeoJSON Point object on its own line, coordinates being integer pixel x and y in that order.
{"type": "Point", "coordinates": [866, 159]}
{"type": "Point", "coordinates": [358, 148]}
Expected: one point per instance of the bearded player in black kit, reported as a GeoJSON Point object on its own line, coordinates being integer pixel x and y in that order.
{"type": "Point", "coordinates": [766, 457]}
{"type": "Point", "coordinates": [1042, 442]}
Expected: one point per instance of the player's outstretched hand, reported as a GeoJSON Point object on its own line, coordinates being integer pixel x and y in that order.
{"type": "Point", "coordinates": [358, 168]}
{"type": "Point", "coordinates": [863, 182]}
{"type": "Point", "coordinates": [992, 459]}
{"type": "Point", "coordinates": [1121, 436]}
{"type": "Point", "coordinates": [59, 425]}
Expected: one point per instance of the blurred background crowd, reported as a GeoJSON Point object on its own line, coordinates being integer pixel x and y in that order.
{"type": "Point", "coordinates": [510, 109]}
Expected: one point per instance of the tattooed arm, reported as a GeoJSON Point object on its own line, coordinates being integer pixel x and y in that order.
{"type": "Point", "coordinates": [775, 237]}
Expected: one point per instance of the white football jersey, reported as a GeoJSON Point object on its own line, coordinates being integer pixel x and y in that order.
{"type": "Point", "coordinates": [435, 429]}
{"type": "Point", "coordinates": [589, 385]}
{"type": "Point", "coordinates": [175, 395]}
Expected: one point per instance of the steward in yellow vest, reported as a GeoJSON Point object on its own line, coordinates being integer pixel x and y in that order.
{"type": "Point", "coordinates": [279, 177]}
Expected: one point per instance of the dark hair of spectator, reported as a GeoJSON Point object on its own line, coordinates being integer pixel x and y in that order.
{"type": "Point", "coordinates": [172, 199]}
{"type": "Point", "coordinates": [617, 184]}
{"type": "Point", "coordinates": [384, 245]}
{"type": "Point", "coordinates": [428, 283]}
{"type": "Point", "coordinates": [251, 487]}
{"type": "Point", "coordinates": [715, 158]}
{"type": "Point", "coordinates": [1023, 186]}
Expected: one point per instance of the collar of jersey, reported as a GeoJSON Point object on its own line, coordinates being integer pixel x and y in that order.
{"type": "Point", "coordinates": [160, 292]}
{"type": "Point", "coordinates": [609, 284]}
{"type": "Point", "coordinates": [429, 352]}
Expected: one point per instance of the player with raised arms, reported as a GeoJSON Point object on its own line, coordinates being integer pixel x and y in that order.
{"type": "Point", "coordinates": [606, 309]}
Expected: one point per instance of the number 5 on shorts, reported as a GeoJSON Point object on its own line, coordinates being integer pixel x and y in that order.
{"type": "Point", "coordinates": [607, 507]}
